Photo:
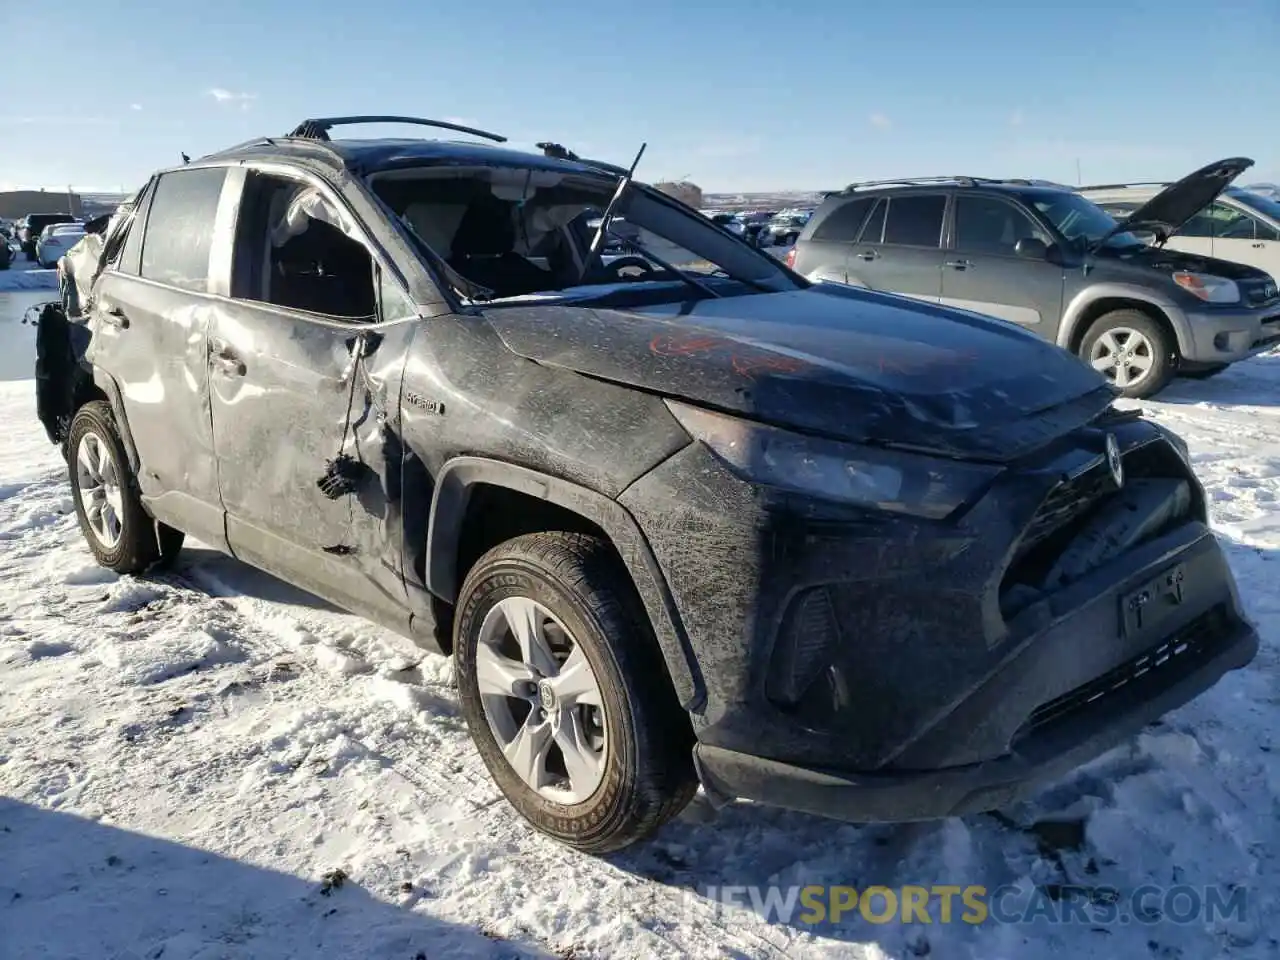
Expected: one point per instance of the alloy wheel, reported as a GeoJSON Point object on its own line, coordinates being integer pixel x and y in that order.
{"type": "Point", "coordinates": [542, 700]}
{"type": "Point", "coordinates": [1123, 355]}
{"type": "Point", "coordinates": [98, 487]}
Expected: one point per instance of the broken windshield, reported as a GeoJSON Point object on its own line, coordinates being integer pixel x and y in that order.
{"type": "Point", "coordinates": [498, 233]}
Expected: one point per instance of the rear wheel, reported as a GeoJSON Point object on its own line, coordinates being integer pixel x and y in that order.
{"type": "Point", "coordinates": [566, 695]}
{"type": "Point", "coordinates": [120, 534]}
{"type": "Point", "coordinates": [1131, 350]}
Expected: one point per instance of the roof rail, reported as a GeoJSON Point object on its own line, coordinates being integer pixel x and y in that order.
{"type": "Point", "coordinates": [318, 129]}
{"type": "Point", "coordinates": [1117, 186]}
{"type": "Point", "coordinates": [913, 181]}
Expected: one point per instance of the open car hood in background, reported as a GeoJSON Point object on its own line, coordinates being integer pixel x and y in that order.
{"type": "Point", "coordinates": [1177, 203]}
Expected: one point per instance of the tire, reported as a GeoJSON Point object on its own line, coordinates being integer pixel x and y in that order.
{"type": "Point", "coordinates": [582, 597]}
{"type": "Point", "coordinates": [94, 451]}
{"type": "Point", "coordinates": [1116, 331]}
{"type": "Point", "coordinates": [1203, 373]}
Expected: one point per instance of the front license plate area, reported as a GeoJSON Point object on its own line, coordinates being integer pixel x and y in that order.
{"type": "Point", "coordinates": [1148, 606]}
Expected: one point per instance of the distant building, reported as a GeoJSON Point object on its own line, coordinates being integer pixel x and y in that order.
{"type": "Point", "coordinates": [18, 203]}
{"type": "Point", "coordinates": [682, 190]}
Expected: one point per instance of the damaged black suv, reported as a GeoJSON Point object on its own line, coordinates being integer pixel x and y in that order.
{"type": "Point", "coordinates": [679, 516]}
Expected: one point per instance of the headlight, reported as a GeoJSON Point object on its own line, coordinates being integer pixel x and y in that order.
{"type": "Point", "coordinates": [1208, 288]}
{"type": "Point", "coordinates": [884, 479]}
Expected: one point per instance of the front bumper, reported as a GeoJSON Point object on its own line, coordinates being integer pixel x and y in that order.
{"type": "Point", "coordinates": [1212, 336]}
{"type": "Point", "coordinates": [972, 788]}
{"type": "Point", "coordinates": [929, 689]}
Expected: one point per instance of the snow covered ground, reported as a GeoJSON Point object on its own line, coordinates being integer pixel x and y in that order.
{"type": "Point", "coordinates": [211, 764]}
{"type": "Point", "coordinates": [24, 274]}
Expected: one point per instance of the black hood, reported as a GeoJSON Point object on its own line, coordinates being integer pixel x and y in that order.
{"type": "Point", "coordinates": [830, 360]}
{"type": "Point", "coordinates": [1177, 203]}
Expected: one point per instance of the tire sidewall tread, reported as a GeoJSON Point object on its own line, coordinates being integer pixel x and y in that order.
{"type": "Point", "coordinates": [1165, 348]}
{"type": "Point", "coordinates": [649, 774]}
{"type": "Point", "coordinates": [138, 547]}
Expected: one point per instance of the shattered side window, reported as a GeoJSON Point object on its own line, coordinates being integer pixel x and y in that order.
{"type": "Point", "coordinates": [180, 228]}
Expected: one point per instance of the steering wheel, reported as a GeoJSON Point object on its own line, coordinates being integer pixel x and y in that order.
{"type": "Point", "coordinates": [630, 267]}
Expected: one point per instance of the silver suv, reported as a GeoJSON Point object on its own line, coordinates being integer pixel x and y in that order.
{"type": "Point", "coordinates": [1046, 258]}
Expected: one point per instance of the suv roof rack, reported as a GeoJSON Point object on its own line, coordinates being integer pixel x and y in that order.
{"type": "Point", "coordinates": [318, 128]}
{"type": "Point", "coordinates": [965, 181]}
{"type": "Point", "coordinates": [957, 180]}
{"type": "Point", "coordinates": [1117, 186]}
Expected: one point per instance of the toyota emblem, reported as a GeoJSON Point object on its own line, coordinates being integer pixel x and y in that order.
{"type": "Point", "coordinates": [1114, 463]}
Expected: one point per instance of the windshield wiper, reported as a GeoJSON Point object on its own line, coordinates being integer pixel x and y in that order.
{"type": "Point", "coordinates": [606, 219]}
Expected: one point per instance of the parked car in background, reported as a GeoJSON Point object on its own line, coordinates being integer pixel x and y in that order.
{"type": "Point", "coordinates": [1240, 225]}
{"type": "Point", "coordinates": [727, 221]}
{"type": "Point", "coordinates": [786, 227]}
{"type": "Point", "coordinates": [754, 224]}
{"type": "Point", "coordinates": [33, 224]}
{"type": "Point", "coordinates": [1270, 190]}
{"type": "Point", "coordinates": [55, 240]}
{"type": "Point", "coordinates": [1045, 257]}
{"type": "Point", "coordinates": [636, 509]}
{"type": "Point", "coordinates": [6, 253]}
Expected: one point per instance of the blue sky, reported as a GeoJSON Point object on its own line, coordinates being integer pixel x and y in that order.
{"type": "Point", "coordinates": [735, 96]}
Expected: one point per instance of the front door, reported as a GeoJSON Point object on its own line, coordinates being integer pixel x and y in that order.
{"type": "Point", "coordinates": [150, 318]}
{"type": "Point", "coordinates": [299, 376]}
{"type": "Point", "coordinates": [983, 272]}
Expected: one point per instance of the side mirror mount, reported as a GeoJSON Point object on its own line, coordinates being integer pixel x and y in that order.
{"type": "Point", "coordinates": [1032, 248]}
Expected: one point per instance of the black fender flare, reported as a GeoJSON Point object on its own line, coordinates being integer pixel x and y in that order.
{"type": "Point", "coordinates": [444, 530]}
{"type": "Point", "coordinates": [107, 384]}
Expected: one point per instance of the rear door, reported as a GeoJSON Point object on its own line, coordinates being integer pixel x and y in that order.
{"type": "Point", "coordinates": [150, 318]}
{"type": "Point", "coordinates": [1241, 237]}
{"type": "Point", "coordinates": [824, 254]}
{"type": "Point", "coordinates": [900, 250]}
{"type": "Point", "coordinates": [983, 272]}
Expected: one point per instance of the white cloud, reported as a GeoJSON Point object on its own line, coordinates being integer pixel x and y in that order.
{"type": "Point", "coordinates": [880, 120]}
{"type": "Point", "coordinates": [232, 98]}
{"type": "Point", "coordinates": [135, 106]}
{"type": "Point", "coordinates": [1017, 118]}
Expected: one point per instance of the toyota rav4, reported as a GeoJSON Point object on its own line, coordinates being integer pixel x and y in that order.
{"type": "Point", "coordinates": [679, 516]}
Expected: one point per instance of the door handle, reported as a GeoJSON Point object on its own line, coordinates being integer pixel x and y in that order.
{"type": "Point", "coordinates": [959, 264]}
{"type": "Point", "coordinates": [225, 358]}
{"type": "Point", "coordinates": [867, 255]}
{"type": "Point", "coordinates": [1259, 246]}
{"type": "Point", "coordinates": [116, 317]}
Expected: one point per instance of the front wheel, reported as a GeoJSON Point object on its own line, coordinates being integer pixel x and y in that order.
{"type": "Point", "coordinates": [1132, 350]}
{"type": "Point", "coordinates": [565, 693]}
{"type": "Point", "coordinates": [120, 534]}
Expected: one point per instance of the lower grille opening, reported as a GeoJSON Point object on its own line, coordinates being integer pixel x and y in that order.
{"type": "Point", "coordinates": [1156, 667]}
